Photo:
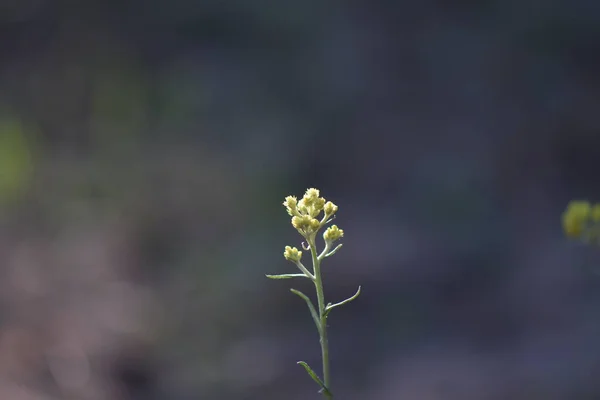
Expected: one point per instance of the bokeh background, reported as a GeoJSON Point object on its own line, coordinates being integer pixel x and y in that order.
{"type": "Point", "coordinates": [146, 147]}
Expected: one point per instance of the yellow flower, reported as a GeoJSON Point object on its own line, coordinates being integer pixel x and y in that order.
{"type": "Point", "coordinates": [576, 218]}
{"type": "Point", "coordinates": [291, 205]}
{"type": "Point", "coordinates": [311, 195]}
{"type": "Point", "coordinates": [304, 207]}
{"type": "Point", "coordinates": [311, 204]}
{"type": "Point", "coordinates": [301, 223]}
{"type": "Point", "coordinates": [333, 233]}
{"type": "Point", "coordinates": [292, 254]}
{"type": "Point", "coordinates": [318, 205]}
{"type": "Point", "coordinates": [314, 224]}
{"type": "Point", "coordinates": [330, 208]}
{"type": "Point", "coordinates": [305, 224]}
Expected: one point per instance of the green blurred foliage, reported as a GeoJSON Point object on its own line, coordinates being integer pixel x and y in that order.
{"type": "Point", "coordinates": [119, 110]}
{"type": "Point", "coordinates": [16, 159]}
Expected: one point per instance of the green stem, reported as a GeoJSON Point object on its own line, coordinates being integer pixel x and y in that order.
{"type": "Point", "coordinates": [322, 318]}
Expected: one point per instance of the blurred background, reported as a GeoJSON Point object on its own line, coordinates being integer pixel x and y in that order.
{"type": "Point", "coordinates": [146, 147]}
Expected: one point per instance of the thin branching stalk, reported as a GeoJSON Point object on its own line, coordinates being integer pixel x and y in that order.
{"type": "Point", "coordinates": [304, 215]}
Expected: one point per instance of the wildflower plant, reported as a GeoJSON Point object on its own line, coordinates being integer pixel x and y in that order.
{"type": "Point", "coordinates": [306, 219]}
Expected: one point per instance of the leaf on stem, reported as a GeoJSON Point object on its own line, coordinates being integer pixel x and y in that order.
{"type": "Point", "coordinates": [316, 378]}
{"type": "Point", "coordinates": [332, 252]}
{"type": "Point", "coordinates": [341, 303]}
{"type": "Point", "coordinates": [287, 276]}
{"type": "Point", "coordinates": [312, 309]}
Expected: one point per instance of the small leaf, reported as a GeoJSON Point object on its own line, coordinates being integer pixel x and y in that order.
{"type": "Point", "coordinates": [316, 378]}
{"type": "Point", "coordinates": [286, 276]}
{"type": "Point", "coordinates": [332, 252]}
{"type": "Point", "coordinates": [313, 311]}
{"type": "Point", "coordinates": [341, 303]}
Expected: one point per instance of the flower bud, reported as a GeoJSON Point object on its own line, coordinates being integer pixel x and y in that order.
{"type": "Point", "coordinates": [318, 205]}
{"type": "Point", "coordinates": [333, 233]}
{"type": "Point", "coordinates": [292, 254]}
{"type": "Point", "coordinates": [330, 208]}
{"type": "Point", "coordinates": [311, 195]}
{"type": "Point", "coordinates": [302, 222]}
{"type": "Point", "coordinates": [291, 204]}
{"type": "Point", "coordinates": [314, 224]}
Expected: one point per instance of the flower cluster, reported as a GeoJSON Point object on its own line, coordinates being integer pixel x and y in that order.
{"type": "Point", "coordinates": [305, 215]}
{"type": "Point", "coordinates": [581, 220]}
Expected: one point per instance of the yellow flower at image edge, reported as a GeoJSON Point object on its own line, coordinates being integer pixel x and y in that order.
{"type": "Point", "coordinates": [596, 212]}
{"type": "Point", "coordinates": [576, 217]}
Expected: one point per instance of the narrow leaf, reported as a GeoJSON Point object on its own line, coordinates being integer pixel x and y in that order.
{"type": "Point", "coordinates": [287, 276]}
{"type": "Point", "coordinates": [332, 252]}
{"type": "Point", "coordinates": [312, 309]}
{"type": "Point", "coordinates": [341, 303]}
{"type": "Point", "coordinates": [316, 378]}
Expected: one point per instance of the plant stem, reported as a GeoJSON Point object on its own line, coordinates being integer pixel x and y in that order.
{"type": "Point", "coordinates": [322, 317]}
